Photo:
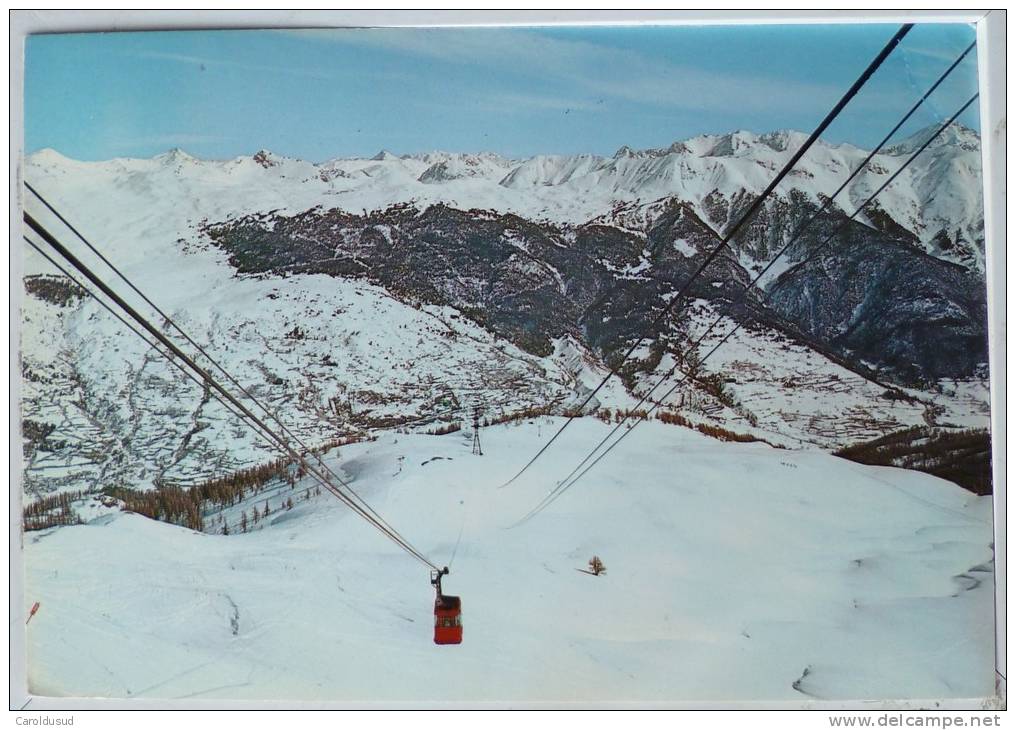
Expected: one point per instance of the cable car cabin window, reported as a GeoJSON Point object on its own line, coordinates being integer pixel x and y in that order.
{"type": "Point", "coordinates": [447, 622]}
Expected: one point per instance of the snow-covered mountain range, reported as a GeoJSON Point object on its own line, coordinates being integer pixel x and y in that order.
{"type": "Point", "coordinates": [354, 291]}
{"type": "Point", "coordinates": [938, 198]}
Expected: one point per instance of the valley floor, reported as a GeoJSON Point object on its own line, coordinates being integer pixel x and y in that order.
{"type": "Point", "coordinates": [734, 572]}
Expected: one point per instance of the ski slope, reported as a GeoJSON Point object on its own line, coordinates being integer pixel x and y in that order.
{"type": "Point", "coordinates": [734, 572]}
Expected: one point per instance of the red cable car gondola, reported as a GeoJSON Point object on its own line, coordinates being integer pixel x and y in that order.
{"type": "Point", "coordinates": [447, 613]}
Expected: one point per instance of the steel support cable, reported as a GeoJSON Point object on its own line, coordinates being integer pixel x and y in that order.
{"type": "Point", "coordinates": [175, 351]}
{"type": "Point", "coordinates": [317, 457]}
{"type": "Point", "coordinates": [140, 334]}
{"type": "Point", "coordinates": [747, 215]}
{"type": "Point", "coordinates": [255, 425]}
{"type": "Point", "coordinates": [793, 239]}
{"type": "Point", "coordinates": [257, 429]}
{"type": "Point", "coordinates": [230, 409]}
{"type": "Point", "coordinates": [172, 322]}
{"type": "Point", "coordinates": [564, 485]}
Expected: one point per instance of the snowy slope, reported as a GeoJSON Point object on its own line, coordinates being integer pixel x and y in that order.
{"type": "Point", "coordinates": [338, 356]}
{"type": "Point", "coordinates": [794, 396]}
{"type": "Point", "coordinates": [733, 572]}
{"type": "Point", "coordinates": [333, 356]}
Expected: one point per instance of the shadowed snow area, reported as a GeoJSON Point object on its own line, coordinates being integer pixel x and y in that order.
{"type": "Point", "coordinates": [733, 572]}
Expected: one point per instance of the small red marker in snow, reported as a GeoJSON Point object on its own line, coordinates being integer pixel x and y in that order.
{"type": "Point", "coordinates": [31, 613]}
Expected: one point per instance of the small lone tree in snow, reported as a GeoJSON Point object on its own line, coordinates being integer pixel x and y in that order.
{"type": "Point", "coordinates": [243, 522]}
{"type": "Point", "coordinates": [596, 566]}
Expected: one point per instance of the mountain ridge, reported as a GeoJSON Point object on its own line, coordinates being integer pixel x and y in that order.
{"type": "Point", "coordinates": [938, 198]}
{"type": "Point", "coordinates": [777, 139]}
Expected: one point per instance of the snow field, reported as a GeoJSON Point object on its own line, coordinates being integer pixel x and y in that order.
{"type": "Point", "coordinates": [731, 569]}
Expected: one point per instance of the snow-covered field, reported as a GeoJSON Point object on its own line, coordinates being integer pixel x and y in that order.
{"type": "Point", "coordinates": [733, 572]}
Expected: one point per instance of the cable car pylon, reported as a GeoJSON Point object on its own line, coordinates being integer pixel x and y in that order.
{"type": "Point", "coordinates": [477, 451]}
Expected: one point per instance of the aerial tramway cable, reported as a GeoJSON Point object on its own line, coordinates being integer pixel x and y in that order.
{"type": "Point", "coordinates": [564, 485]}
{"type": "Point", "coordinates": [752, 209]}
{"type": "Point", "coordinates": [190, 375]}
{"type": "Point", "coordinates": [133, 328]}
{"type": "Point", "coordinates": [793, 239]}
{"type": "Point", "coordinates": [246, 392]}
{"type": "Point", "coordinates": [178, 353]}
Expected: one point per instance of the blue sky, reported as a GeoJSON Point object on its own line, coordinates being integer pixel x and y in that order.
{"type": "Point", "coordinates": [323, 94]}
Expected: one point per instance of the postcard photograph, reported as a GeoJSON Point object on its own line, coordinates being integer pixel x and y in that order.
{"type": "Point", "coordinates": [548, 364]}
